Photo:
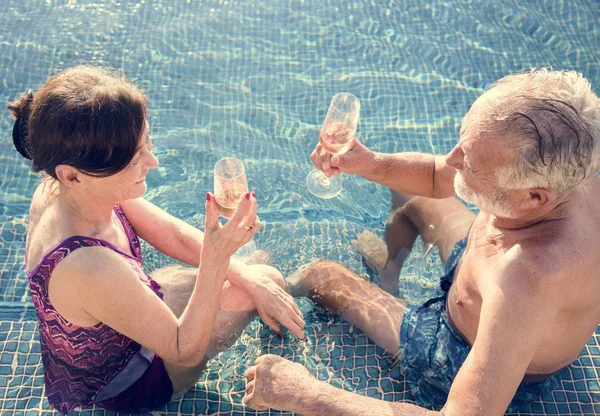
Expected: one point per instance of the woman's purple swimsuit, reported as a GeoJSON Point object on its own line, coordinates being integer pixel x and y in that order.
{"type": "Point", "coordinates": [83, 366]}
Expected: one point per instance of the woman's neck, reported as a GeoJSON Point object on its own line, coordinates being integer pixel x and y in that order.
{"type": "Point", "coordinates": [87, 209]}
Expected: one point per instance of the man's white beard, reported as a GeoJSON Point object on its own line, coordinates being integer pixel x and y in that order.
{"type": "Point", "coordinates": [496, 203]}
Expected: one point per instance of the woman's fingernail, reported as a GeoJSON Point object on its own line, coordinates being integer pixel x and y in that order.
{"type": "Point", "coordinates": [254, 194]}
{"type": "Point", "coordinates": [247, 196]}
{"type": "Point", "coordinates": [280, 336]}
{"type": "Point", "coordinates": [208, 196]}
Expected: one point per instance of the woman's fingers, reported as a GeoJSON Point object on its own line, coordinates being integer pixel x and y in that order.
{"type": "Point", "coordinates": [272, 323]}
{"type": "Point", "coordinates": [250, 218]}
{"type": "Point", "coordinates": [211, 221]}
{"type": "Point", "coordinates": [293, 327]}
{"type": "Point", "coordinates": [299, 320]}
{"type": "Point", "coordinates": [241, 210]}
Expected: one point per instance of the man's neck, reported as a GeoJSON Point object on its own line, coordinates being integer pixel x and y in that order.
{"type": "Point", "coordinates": [553, 211]}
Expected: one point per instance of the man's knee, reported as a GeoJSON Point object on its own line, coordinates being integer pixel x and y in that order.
{"type": "Point", "coordinates": [325, 268]}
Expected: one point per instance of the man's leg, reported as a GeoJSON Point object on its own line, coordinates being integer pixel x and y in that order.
{"type": "Point", "coordinates": [440, 222]}
{"type": "Point", "coordinates": [235, 312]}
{"type": "Point", "coordinates": [363, 304]}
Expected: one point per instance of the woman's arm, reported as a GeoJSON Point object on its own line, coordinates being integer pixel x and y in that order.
{"type": "Point", "coordinates": [168, 234]}
{"type": "Point", "coordinates": [105, 287]}
{"type": "Point", "coordinates": [176, 238]}
{"type": "Point", "coordinates": [183, 242]}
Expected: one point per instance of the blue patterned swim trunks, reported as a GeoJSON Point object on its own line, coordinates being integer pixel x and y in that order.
{"type": "Point", "coordinates": [433, 352]}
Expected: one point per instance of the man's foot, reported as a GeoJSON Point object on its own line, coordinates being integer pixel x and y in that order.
{"type": "Point", "coordinates": [391, 272]}
{"type": "Point", "coordinates": [373, 250]}
{"type": "Point", "coordinates": [297, 284]}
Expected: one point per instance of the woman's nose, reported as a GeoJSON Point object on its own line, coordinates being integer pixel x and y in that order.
{"type": "Point", "coordinates": [153, 161]}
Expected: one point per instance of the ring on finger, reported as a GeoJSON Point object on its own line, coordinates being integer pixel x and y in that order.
{"type": "Point", "coordinates": [248, 227]}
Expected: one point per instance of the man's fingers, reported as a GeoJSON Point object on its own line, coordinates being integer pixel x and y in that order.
{"type": "Point", "coordinates": [250, 374]}
{"type": "Point", "coordinates": [315, 156]}
{"type": "Point", "coordinates": [337, 160]}
{"type": "Point", "coordinates": [260, 359]}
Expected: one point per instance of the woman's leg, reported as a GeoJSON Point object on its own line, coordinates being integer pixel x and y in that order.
{"type": "Point", "coordinates": [235, 312]}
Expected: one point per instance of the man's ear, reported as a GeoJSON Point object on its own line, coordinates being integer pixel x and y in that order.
{"type": "Point", "coordinates": [537, 198]}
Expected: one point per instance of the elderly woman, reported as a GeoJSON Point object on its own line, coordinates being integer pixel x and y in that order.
{"type": "Point", "coordinates": [110, 334]}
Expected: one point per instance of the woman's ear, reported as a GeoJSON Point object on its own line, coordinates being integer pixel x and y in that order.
{"type": "Point", "coordinates": [68, 175]}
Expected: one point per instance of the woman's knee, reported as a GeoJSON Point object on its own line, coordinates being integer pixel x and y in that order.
{"type": "Point", "coordinates": [272, 273]}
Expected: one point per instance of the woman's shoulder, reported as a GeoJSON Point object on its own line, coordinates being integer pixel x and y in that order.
{"type": "Point", "coordinates": [43, 195]}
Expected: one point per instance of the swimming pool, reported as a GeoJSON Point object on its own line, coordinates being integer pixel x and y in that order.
{"type": "Point", "coordinates": [253, 80]}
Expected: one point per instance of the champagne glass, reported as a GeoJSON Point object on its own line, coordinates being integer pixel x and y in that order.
{"type": "Point", "coordinates": [230, 187]}
{"type": "Point", "coordinates": [337, 137]}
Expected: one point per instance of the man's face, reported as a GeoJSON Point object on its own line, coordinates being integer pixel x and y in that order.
{"type": "Point", "coordinates": [476, 158]}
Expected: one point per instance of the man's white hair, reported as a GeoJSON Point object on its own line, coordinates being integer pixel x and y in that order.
{"type": "Point", "coordinates": [552, 119]}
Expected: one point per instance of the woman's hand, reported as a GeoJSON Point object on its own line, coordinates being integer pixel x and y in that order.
{"type": "Point", "coordinates": [275, 306]}
{"type": "Point", "coordinates": [222, 241]}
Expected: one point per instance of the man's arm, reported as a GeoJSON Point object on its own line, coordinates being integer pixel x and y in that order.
{"type": "Point", "coordinates": [413, 174]}
{"type": "Point", "coordinates": [408, 173]}
{"type": "Point", "coordinates": [331, 401]}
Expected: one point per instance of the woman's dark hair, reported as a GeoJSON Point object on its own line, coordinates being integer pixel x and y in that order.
{"type": "Point", "coordinates": [86, 117]}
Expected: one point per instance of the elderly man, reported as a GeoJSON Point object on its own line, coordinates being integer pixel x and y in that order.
{"type": "Point", "coordinates": [521, 293]}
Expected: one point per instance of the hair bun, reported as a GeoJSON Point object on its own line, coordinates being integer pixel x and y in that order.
{"type": "Point", "coordinates": [20, 110]}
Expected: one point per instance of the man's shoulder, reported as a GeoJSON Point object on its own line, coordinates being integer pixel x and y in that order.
{"type": "Point", "coordinates": [532, 261]}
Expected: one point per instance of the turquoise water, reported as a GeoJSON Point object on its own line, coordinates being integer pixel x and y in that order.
{"type": "Point", "coordinates": [253, 80]}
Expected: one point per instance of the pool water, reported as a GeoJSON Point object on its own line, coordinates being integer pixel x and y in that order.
{"type": "Point", "coordinates": [253, 80]}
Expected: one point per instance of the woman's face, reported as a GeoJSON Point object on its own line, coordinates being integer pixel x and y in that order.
{"type": "Point", "coordinates": [129, 183]}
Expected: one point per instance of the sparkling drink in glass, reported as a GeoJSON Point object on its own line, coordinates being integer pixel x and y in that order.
{"type": "Point", "coordinates": [337, 137]}
{"type": "Point", "coordinates": [230, 186]}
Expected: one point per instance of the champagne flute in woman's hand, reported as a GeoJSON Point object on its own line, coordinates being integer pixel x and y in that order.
{"type": "Point", "coordinates": [337, 137]}
{"type": "Point", "coordinates": [230, 186]}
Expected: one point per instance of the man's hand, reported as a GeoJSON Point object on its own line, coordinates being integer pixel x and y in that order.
{"type": "Point", "coordinates": [274, 382]}
{"type": "Point", "coordinates": [275, 306]}
{"type": "Point", "coordinates": [357, 161]}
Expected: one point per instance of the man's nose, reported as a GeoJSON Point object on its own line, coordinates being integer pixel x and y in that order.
{"type": "Point", "coordinates": [455, 158]}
